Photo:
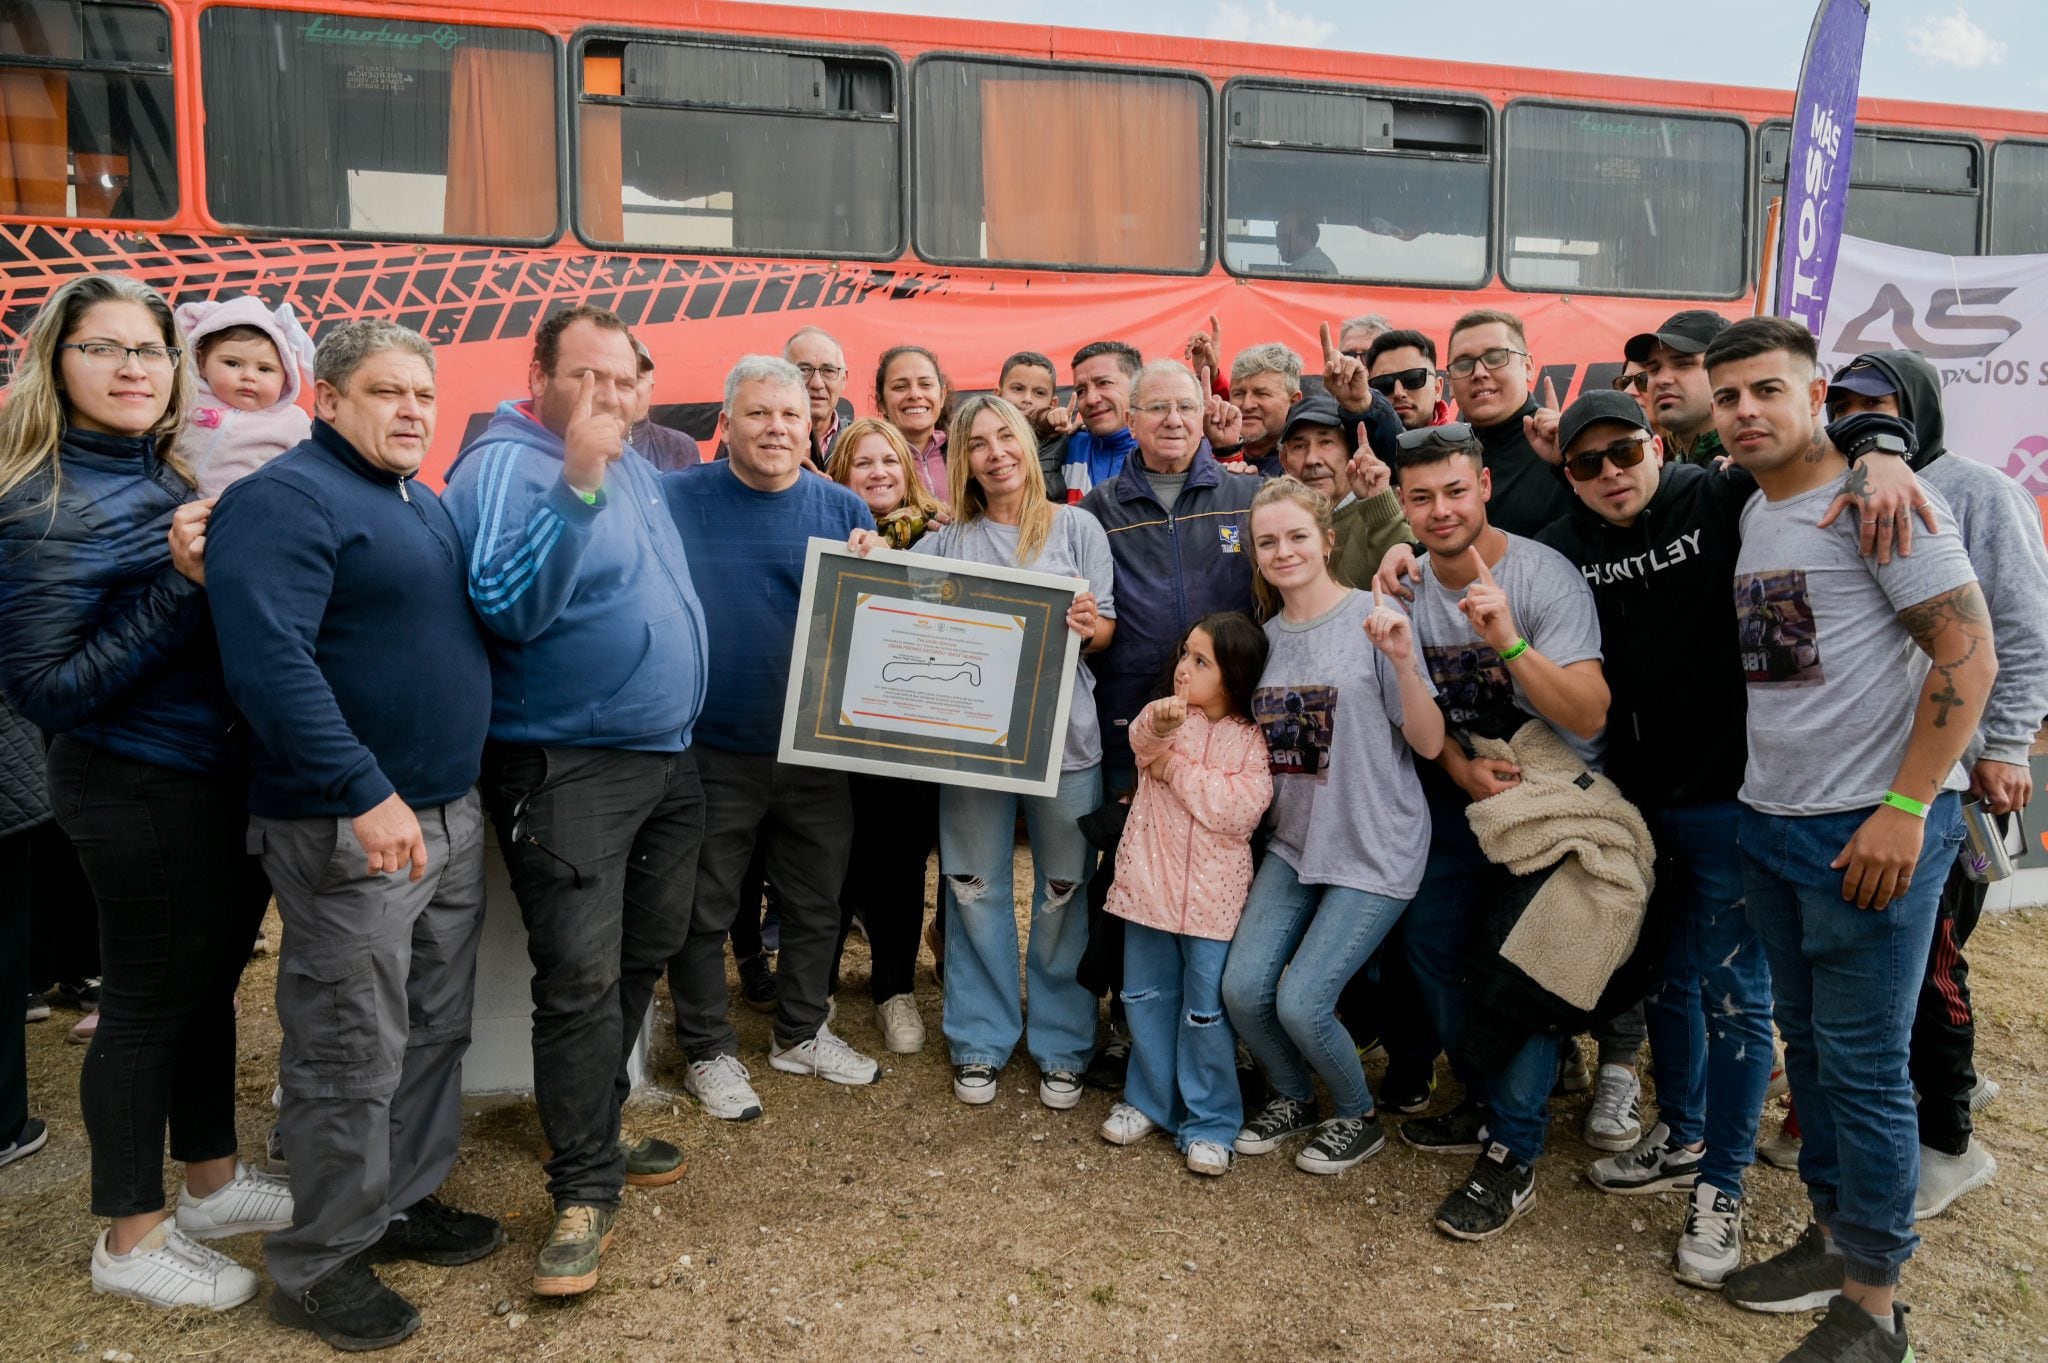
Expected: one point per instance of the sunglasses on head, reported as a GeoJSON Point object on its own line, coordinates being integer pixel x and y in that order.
{"type": "Point", "coordinates": [1640, 381]}
{"type": "Point", "coordinates": [1625, 453]}
{"type": "Point", "coordinates": [1456, 435]}
{"type": "Point", "coordinates": [1411, 379]}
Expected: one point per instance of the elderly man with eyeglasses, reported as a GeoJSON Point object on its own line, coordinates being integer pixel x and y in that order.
{"type": "Point", "coordinates": [821, 363]}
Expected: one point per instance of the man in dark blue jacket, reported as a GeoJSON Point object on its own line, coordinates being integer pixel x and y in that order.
{"type": "Point", "coordinates": [330, 573]}
{"type": "Point", "coordinates": [596, 641]}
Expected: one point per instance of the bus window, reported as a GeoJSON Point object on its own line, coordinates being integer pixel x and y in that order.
{"type": "Point", "coordinates": [1345, 185]}
{"type": "Point", "coordinates": [2019, 199]}
{"type": "Point", "coordinates": [1057, 166]}
{"type": "Point", "coordinates": [1612, 200]}
{"type": "Point", "coordinates": [86, 111]}
{"type": "Point", "coordinates": [689, 147]}
{"type": "Point", "coordinates": [328, 123]}
{"type": "Point", "coordinates": [1905, 191]}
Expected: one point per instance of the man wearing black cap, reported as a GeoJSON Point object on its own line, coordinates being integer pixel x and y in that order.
{"type": "Point", "coordinates": [1676, 382]}
{"type": "Point", "coordinates": [1322, 449]}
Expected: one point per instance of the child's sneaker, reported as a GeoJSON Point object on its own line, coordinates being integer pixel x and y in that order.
{"type": "Point", "coordinates": [1341, 1143]}
{"type": "Point", "coordinates": [1127, 1125]}
{"type": "Point", "coordinates": [1275, 1123]}
{"type": "Point", "coordinates": [1208, 1158]}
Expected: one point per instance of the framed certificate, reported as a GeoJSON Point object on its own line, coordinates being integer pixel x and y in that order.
{"type": "Point", "coordinates": [930, 668]}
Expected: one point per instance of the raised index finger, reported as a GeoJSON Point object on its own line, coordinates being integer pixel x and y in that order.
{"type": "Point", "coordinates": [1479, 562]}
{"type": "Point", "coordinates": [1215, 330]}
{"type": "Point", "coordinates": [1549, 393]}
{"type": "Point", "coordinates": [584, 391]}
{"type": "Point", "coordinates": [1329, 348]}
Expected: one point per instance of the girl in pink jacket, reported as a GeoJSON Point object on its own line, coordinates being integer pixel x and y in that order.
{"type": "Point", "coordinates": [1183, 869]}
{"type": "Point", "coordinates": [253, 363]}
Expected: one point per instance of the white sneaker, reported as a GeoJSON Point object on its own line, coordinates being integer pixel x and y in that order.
{"type": "Point", "coordinates": [1615, 1121]}
{"type": "Point", "coordinates": [826, 1057]}
{"type": "Point", "coordinates": [250, 1201]}
{"type": "Point", "coordinates": [1207, 1157]}
{"type": "Point", "coordinates": [1780, 1151]}
{"type": "Point", "coordinates": [974, 1084]}
{"type": "Point", "coordinates": [902, 1029]}
{"type": "Point", "coordinates": [1059, 1089]}
{"type": "Point", "coordinates": [720, 1086]}
{"type": "Point", "coordinates": [166, 1268]}
{"type": "Point", "coordinates": [1983, 1093]}
{"type": "Point", "coordinates": [1127, 1126]}
{"type": "Point", "coordinates": [1944, 1178]}
{"type": "Point", "coordinates": [1711, 1246]}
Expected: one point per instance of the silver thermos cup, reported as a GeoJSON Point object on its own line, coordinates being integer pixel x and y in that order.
{"type": "Point", "coordinates": [1986, 857]}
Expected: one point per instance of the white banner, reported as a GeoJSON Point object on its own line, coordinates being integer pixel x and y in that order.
{"type": "Point", "coordinates": [1981, 320]}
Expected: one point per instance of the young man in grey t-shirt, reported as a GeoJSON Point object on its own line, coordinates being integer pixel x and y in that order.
{"type": "Point", "coordinates": [1866, 681]}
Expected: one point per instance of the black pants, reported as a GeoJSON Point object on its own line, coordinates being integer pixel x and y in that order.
{"type": "Point", "coordinates": [602, 849]}
{"type": "Point", "coordinates": [63, 935]}
{"type": "Point", "coordinates": [1383, 1002]}
{"type": "Point", "coordinates": [1941, 1061]}
{"type": "Point", "coordinates": [179, 900]}
{"type": "Point", "coordinates": [895, 828]}
{"type": "Point", "coordinates": [15, 879]}
{"type": "Point", "coordinates": [757, 900]}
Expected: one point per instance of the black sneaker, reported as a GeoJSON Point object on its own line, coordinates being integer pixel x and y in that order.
{"type": "Point", "coordinates": [1500, 1189]}
{"type": "Point", "coordinates": [35, 1134]}
{"type": "Point", "coordinates": [1342, 1143]}
{"type": "Point", "coordinates": [1850, 1334]}
{"type": "Point", "coordinates": [1461, 1131]}
{"type": "Point", "coordinates": [1112, 1063]}
{"type": "Point", "coordinates": [1274, 1123]}
{"type": "Point", "coordinates": [652, 1162]}
{"type": "Point", "coordinates": [350, 1308]}
{"type": "Point", "coordinates": [1408, 1086]}
{"type": "Point", "coordinates": [432, 1232]}
{"type": "Point", "coordinates": [757, 984]}
{"type": "Point", "coordinates": [80, 996]}
{"type": "Point", "coordinates": [1803, 1278]}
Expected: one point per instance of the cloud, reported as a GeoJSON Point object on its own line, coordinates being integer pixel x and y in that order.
{"type": "Point", "coordinates": [1268, 23]}
{"type": "Point", "coordinates": [1952, 40]}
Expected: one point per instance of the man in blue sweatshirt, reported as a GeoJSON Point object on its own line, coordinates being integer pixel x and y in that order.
{"type": "Point", "coordinates": [751, 517]}
{"type": "Point", "coordinates": [330, 572]}
{"type": "Point", "coordinates": [597, 654]}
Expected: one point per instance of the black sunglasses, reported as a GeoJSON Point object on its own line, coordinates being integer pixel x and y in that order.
{"type": "Point", "coordinates": [1623, 454]}
{"type": "Point", "coordinates": [1456, 435]}
{"type": "Point", "coordinates": [1640, 381]}
{"type": "Point", "coordinates": [521, 835]}
{"type": "Point", "coordinates": [1411, 379]}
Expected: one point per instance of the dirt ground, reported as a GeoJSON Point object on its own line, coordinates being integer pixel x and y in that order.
{"type": "Point", "coordinates": [893, 1222]}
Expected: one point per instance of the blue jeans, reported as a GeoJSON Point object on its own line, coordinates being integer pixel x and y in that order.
{"type": "Point", "coordinates": [1319, 935]}
{"type": "Point", "coordinates": [1847, 982]}
{"type": "Point", "coordinates": [984, 1017]}
{"type": "Point", "coordinates": [1183, 1072]}
{"type": "Point", "coordinates": [1710, 1015]}
{"type": "Point", "coordinates": [1437, 928]}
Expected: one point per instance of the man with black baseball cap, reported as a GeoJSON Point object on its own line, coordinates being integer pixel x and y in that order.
{"type": "Point", "coordinates": [1323, 450]}
{"type": "Point", "coordinates": [1676, 389]}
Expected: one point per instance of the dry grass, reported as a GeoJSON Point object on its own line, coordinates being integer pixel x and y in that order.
{"type": "Point", "coordinates": [892, 1222]}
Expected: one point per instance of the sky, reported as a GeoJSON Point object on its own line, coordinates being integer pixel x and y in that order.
{"type": "Point", "coordinates": [1986, 52]}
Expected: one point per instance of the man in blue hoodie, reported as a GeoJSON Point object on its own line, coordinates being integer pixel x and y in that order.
{"type": "Point", "coordinates": [597, 649]}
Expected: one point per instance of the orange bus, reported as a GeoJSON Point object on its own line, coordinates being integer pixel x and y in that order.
{"type": "Point", "coordinates": [721, 174]}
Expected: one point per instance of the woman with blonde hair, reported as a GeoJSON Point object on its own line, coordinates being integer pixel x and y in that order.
{"type": "Point", "coordinates": [106, 643]}
{"type": "Point", "coordinates": [872, 457]}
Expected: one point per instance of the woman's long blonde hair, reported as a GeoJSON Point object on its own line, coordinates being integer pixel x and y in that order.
{"type": "Point", "coordinates": [970, 503]}
{"type": "Point", "coordinates": [33, 415]}
{"type": "Point", "coordinates": [839, 465]}
{"type": "Point", "coordinates": [1288, 489]}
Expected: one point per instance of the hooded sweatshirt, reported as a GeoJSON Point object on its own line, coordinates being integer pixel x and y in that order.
{"type": "Point", "coordinates": [2001, 528]}
{"type": "Point", "coordinates": [595, 632]}
{"type": "Point", "coordinates": [221, 442]}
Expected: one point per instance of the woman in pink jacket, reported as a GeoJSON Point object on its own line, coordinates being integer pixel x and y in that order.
{"type": "Point", "coordinates": [1182, 872]}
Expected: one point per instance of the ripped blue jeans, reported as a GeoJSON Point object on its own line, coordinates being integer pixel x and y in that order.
{"type": "Point", "coordinates": [1183, 1071]}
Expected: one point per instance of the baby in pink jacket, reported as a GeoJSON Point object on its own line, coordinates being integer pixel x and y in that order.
{"type": "Point", "coordinates": [1183, 870]}
{"type": "Point", "coordinates": [253, 363]}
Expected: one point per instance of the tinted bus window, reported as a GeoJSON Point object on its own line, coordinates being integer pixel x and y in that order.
{"type": "Point", "coordinates": [2019, 199]}
{"type": "Point", "coordinates": [1609, 200]}
{"type": "Point", "coordinates": [1052, 166]}
{"type": "Point", "coordinates": [1348, 185]}
{"type": "Point", "coordinates": [1902, 190]}
{"type": "Point", "coordinates": [337, 124]}
{"type": "Point", "coordinates": [86, 115]}
{"type": "Point", "coordinates": [688, 147]}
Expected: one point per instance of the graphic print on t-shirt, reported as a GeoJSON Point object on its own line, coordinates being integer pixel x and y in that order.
{"type": "Point", "coordinates": [1298, 721]}
{"type": "Point", "coordinates": [1775, 627]}
{"type": "Point", "coordinates": [1473, 688]}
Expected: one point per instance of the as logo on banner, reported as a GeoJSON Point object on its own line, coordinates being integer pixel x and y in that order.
{"type": "Point", "coordinates": [1941, 315]}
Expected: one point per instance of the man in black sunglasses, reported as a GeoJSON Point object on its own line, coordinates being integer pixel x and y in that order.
{"type": "Point", "coordinates": [1403, 368]}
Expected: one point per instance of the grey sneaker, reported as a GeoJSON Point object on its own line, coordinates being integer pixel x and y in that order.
{"type": "Point", "coordinates": [1780, 1151]}
{"type": "Point", "coordinates": [1654, 1165]}
{"type": "Point", "coordinates": [1615, 1121]}
{"type": "Point", "coordinates": [1803, 1278]}
{"type": "Point", "coordinates": [1710, 1248]}
{"type": "Point", "coordinates": [722, 1087]}
{"type": "Point", "coordinates": [1944, 1178]}
{"type": "Point", "coordinates": [1983, 1093]}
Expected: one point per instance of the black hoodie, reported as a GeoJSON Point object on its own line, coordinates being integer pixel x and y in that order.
{"type": "Point", "coordinates": [1919, 400]}
{"type": "Point", "coordinates": [1664, 587]}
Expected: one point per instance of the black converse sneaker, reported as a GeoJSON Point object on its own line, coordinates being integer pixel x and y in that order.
{"type": "Point", "coordinates": [1275, 1122]}
{"type": "Point", "coordinates": [1342, 1143]}
{"type": "Point", "coordinates": [1850, 1334]}
{"type": "Point", "coordinates": [1803, 1278]}
{"type": "Point", "coordinates": [1500, 1189]}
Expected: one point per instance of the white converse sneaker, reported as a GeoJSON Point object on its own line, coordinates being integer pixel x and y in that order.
{"type": "Point", "coordinates": [1127, 1125]}
{"type": "Point", "coordinates": [250, 1201]}
{"type": "Point", "coordinates": [1059, 1089]}
{"type": "Point", "coordinates": [902, 1029]}
{"type": "Point", "coordinates": [166, 1268]}
{"type": "Point", "coordinates": [826, 1057]}
{"type": "Point", "coordinates": [720, 1086]}
{"type": "Point", "coordinates": [1944, 1178]}
{"type": "Point", "coordinates": [1615, 1121]}
{"type": "Point", "coordinates": [1711, 1246]}
{"type": "Point", "coordinates": [1209, 1158]}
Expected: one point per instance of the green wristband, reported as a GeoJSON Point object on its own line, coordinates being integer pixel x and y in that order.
{"type": "Point", "coordinates": [589, 498]}
{"type": "Point", "coordinates": [1521, 646]}
{"type": "Point", "coordinates": [1906, 803]}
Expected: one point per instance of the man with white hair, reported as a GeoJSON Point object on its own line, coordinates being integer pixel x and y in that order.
{"type": "Point", "coordinates": [821, 363]}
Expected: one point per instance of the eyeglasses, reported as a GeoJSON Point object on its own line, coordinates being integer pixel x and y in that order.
{"type": "Point", "coordinates": [521, 835]}
{"type": "Point", "coordinates": [1639, 381]}
{"type": "Point", "coordinates": [107, 353]}
{"type": "Point", "coordinates": [1359, 355]}
{"type": "Point", "coordinates": [1454, 435]}
{"type": "Point", "coordinates": [1158, 410]}
{"type": "Point", "coordinates": [827, 372]}
{"type": "Point", "coordinates": [1462, 367]}
{"type": "Point", "coordinates": [1411, 379]}
{"type": "Point", "coordinates": [1623, 454]}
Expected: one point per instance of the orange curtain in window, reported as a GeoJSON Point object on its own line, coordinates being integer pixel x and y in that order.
{"type": "Point", "coordinates": [501, 145]}
{"type": "Point", "coordinates": [1092, 172]}
{"type": "Point", "coordinates": [602, 178]}
{"type": "Point", "coordinates": [34, 143]}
